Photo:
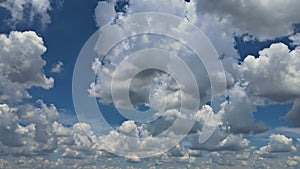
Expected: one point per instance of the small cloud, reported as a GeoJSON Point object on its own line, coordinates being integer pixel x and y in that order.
{"type": "Point", "coordinates": [57, 68]}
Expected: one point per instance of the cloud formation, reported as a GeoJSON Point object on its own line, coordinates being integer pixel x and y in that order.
{"type": "Point", "coordinates": [262, 19]}
{"type": "Point", "coordinates": [277, 144]}
{"type": "Point", "coordinates": [23, 11]}
{"type": "Point", "coordinates": [32, 133]}
{"type": "Point", "coordinates": [274, 74]}
{"type": "Point", "coordinates": [57, 68]}
{"type": "Point", "coordinates": [22, 65]}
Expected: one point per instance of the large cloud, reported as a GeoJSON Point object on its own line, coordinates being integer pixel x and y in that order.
{"type": "Point", "coordinates": [277, 144]}
{"type": "Point", "coordinates": [263, 19]}
{"type": "Point", "coordinates": [21, 65]}
{"type": "Point", "coordinates": [274, 74]}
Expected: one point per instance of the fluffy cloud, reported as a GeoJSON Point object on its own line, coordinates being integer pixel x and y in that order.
{"type": "Point", "coordinates": [35, 130]}
{"type": "Point", "coordinates": [23, 11]}
{"type": "Point", "coordinates": [22, 65]}
{"type": "Point", "coordinates": [277, 144]}
{"type": "Point", "coordinates": [274, 74]}
{"type": "Point", "coordinates": [238, 112]}
{"type": "Point", "coordinates": [134, 141]}
{"type": "Point", "coordinates": [30, 132]}
{"type": "Point", "coordinates": [254, 17]}
{"type": "Point", "coordinates": [234, 143]}
{"type": "Point", "coordinates": [105, 13]}
{"type": "Point", "coordinates": [57, 68]}
{"type": "Point", "coordinates": [223, 41]}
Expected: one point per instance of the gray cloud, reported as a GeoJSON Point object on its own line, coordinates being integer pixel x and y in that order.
{"type": "Point", "coordinates": [294, 114]}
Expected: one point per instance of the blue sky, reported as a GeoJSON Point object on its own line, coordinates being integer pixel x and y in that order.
{"type": "Point", "coordinates": [43, 42]}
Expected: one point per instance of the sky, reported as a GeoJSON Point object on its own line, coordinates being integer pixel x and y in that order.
{"type": "Point", "coordinates": [149, 84]}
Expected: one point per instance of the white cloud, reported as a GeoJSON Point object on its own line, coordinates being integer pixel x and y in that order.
{"type": "Point", "coordinates": [105, 13]}
{"type": "Point", "coordinates": [277, 144]}
{"type": "Point", "coordinates": [220, 141]}
{"type": "Point", "coordinates": [234, 143]}
{"type": "Point", "coordinates": [36, 137]}
{"type": "Point", "coordinates": [57, 68]}
{"type": "Point", "coordinates": [274, 74]}
{"type": "Point", "coordinates": [293, 161]}
{"type": "Point", "coordinates": [207, 115]}
{"type": "Point", "coordinates": [36, 8]}
{"type": "Point", "coordinates": [21, 65]}
{"type": "Point", "coordinates": [254, 17]}
{"type": "Point", "coordinates": [223, 41]}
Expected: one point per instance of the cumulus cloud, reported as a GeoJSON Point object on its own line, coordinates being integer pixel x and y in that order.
{"type": "Point", "coordinates": [274, 74]}
{"type": "Point", "coordinates": [57, 68]}
{"type": "Point", "coordinates": [293, 161]}
{"type": "Point", "coordinates": [295, 39]}
{"type": "Point", "coordinates": [277, 144]}
{"type": "Point", "coordinates": [221, 139]}
{"type": "Point", "coordinates": [23, 11]}
{"type": "Point", "coordinates": [254, 17]}
{"type": "Point", "coordinates": [106, 12]}
{"type": "Point", "coordinates": [234, 143]}
{"type": "Point", "coordinates": [132, 141]}
{"type": "Point", "coordinates": [22, 65]}
{"type": "Point", "coordinates": [30, 132]}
